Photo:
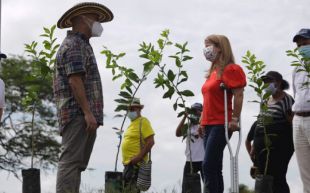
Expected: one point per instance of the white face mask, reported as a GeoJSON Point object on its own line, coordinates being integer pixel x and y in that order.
{"type": "Point", "coordinates": [272, 89]}
{"type": "Point", "coordinates": [132, 115]}
{"type": "Point", "coordinates": [210, 53]}
{"type": "Point", "coordinates": [96, 29]}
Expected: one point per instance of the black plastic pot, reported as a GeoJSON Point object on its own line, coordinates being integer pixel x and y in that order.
{"type": "Point", "coordinates": [31, 180]}
{"type": "Point", "coordinates": [191, 183]}
{"type": "Point", "coordinates": [113, 182]}
{"type": "Point", "coordinates": [263, 184]}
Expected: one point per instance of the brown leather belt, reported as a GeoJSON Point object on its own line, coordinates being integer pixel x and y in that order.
{"type": "Point", "coordinates": [303, 114]}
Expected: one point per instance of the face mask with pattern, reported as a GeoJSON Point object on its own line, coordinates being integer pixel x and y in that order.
{"type": "Point", "coordinates": [210, 53]}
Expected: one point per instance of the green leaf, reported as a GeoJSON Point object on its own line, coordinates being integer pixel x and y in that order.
{"type": "Point", "coordinates": [159, 81]}
{"type": "Point", "coordinates": [129, 89]}
{"type": "Point", "coordinates": [181, 114]}
{"type": "Point", "coordinates": [184, 50]}
{"type": "Point", "coordinates": [53, 29]}
{"type": "Point", "coordinates": [121, 108]}
{"type": "Point", "coordinates": [45, 70]}
{"type": "Point", "coordinates": [160, 43]}
{"type": "Point", "coordinates": [122, 101]}
{"type": "Point", "coordinates": [255, 101]}
{"type": "Point", "coordinates": [181, 105]}
{"type": "Point", "coordinates": [46, 30]}
{"type": "Point", "coordinates": [175, 57]}
{"type": "Point", "coordinates": [175, 106]}
{"type": "Point", "coordinates": [121, 55]}
{"type": "Point", "coordinates": [116, 77]}
{"type": "Point", "coordinates": [108, 62]}
{"type": "Point", "coordinates": [165, 33]}
{"type": "Point", "coordinates": [184, 73]}
{"type": "Point", "coordinates": [178, 63]}
{"type": "Point", "coordinates": [44, 35]}
{"type": "Point", "coordinates": [146, 56]}
{"type": "Point", "coordinates": [125, 94]}
{"type": "Point", "coordinates": [133, 77]}
{"type": "Point", "coordinates": [171, 76]}
{"type": "Point", "coordinates": [182, 80]}
{"type": "Point", "coordinates": [118, 116]}
{"type": "Point", "coordinates": [185, 58]}
{"type": "Point", "coordinates": [187, 93]}
{"type": "Point", "coordinates": [148, 67]}
{"type": "Point", "coordinates": [169, 93]}
{"type": "Point", "coordinates": [178, 46]}
{"type": "Point", "coordinates": [127, 83]}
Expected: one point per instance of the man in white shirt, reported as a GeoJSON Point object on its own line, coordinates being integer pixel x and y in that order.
{"type": "Point", "coordinates": [301, 109]}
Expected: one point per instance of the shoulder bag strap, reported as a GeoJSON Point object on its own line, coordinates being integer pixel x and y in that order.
{"type": "Point", "coordinates": [141, 143]}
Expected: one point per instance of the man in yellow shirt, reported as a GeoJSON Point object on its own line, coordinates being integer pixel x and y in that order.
{"type": "Point", "coordinates": [132, 151]}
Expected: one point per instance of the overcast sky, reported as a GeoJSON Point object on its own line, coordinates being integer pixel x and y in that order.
{"type": "Point", "coordinates": [264, 27]}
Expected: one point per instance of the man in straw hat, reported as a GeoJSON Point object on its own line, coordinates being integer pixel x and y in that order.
{"type": "Point", "coordinates": [78, 91]}
{"type": "Point", "coordinates": [132, 152]}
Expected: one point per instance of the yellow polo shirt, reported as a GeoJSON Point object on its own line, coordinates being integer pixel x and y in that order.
{"type": "Point", "coordinates": [131, 139]}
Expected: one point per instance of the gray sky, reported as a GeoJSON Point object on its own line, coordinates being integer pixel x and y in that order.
{"type": "Point", "coordinates": [264, 27]}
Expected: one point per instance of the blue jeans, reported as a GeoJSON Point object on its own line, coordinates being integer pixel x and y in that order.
{"type": "Point", "coordinates": [214, 143]}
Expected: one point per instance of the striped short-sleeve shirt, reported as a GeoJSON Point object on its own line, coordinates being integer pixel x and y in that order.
{"type": "Point", "coordinates": [280, 110]}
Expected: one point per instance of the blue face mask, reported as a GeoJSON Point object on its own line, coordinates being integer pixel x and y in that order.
{"type": "Point", "coordinates": [272, 89]}
{"type": "Point", "coordinates": [132, 115]}
{"type": "Point", "coordinates": [304, 51]}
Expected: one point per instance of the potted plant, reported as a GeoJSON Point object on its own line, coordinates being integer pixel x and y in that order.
{"type": "Point", "coordinates": [129, 88]}
{"type": "Point", "coordinates": [165, 79]}
{"type": "Point", "coordinates": [263, 183]}
{"type": "Point", "coordinates": [43, 62]}
{"type": "Point", "coordinates": [171, 81]}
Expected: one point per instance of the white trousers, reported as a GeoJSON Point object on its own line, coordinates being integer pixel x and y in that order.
{"type": "Point", "coordinates": [301, 133]}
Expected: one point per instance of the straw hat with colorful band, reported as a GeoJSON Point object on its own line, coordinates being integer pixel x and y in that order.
{"type": "Point", "coordinates": [135, 103]}
{"type": "Point", "coordinates": [104, 14]}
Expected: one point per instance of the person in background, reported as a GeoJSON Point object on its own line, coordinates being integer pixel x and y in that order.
{"type": "Point", "coordinates": [223, 70]}
{"type": "Point", "coordinates": [78, 91]}
{"type": "Point", "coordinates": [139, 129]}
{"type": "Point", "coordinates": [2, 91]}
{"type": "Point", "coordinates": [278, 125]}
{"type": "Point", "coordinates": [194, 151]}
{"type": "Point", "coordinates": [250, 149]}
{"type": "Point", "coordinates": [301, 109]}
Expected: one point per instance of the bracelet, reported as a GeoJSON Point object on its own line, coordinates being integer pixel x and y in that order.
{"type": "Point", "coordinates": [235, 119]}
